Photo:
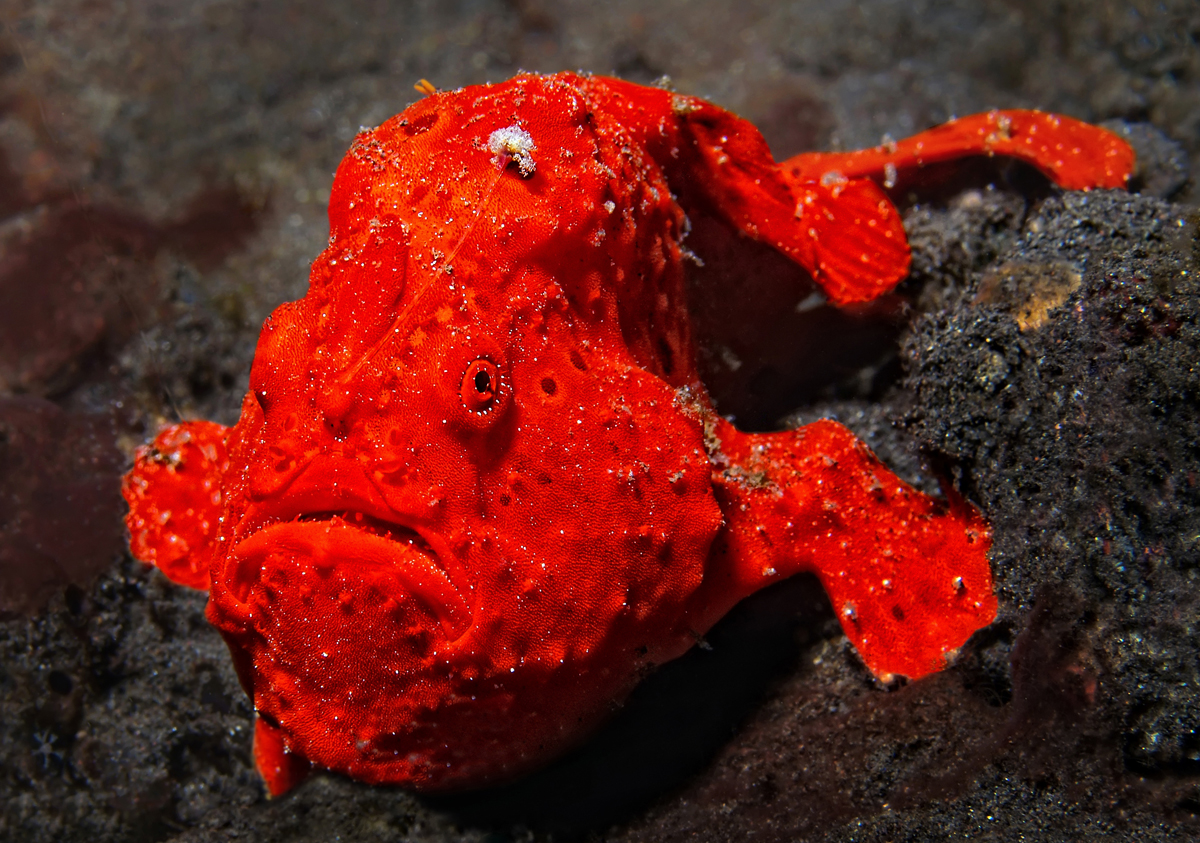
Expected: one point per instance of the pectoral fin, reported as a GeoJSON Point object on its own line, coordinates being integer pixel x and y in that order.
{"type": "Point", "coordinates": [174, 497]}
{"type": "Point", "coordinates": [907, 575]}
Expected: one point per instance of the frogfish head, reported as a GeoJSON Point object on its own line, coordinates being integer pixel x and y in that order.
{"type": "Point", "coordinates": [468, 506]}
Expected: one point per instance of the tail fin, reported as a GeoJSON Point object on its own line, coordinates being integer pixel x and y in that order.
{"type": "Point", "coordinates": [1075, 155]}
{"type": "Point", "coordinates": [859, 248]}
{"type": "Point", "coordinates": [907, 575]}
{"type": "Point", "coordinates": [825, 210]}
{"type": "Point", "coordinates": [845, 232]}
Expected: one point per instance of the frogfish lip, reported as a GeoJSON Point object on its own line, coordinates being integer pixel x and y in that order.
{"type": "Point", "coordinates": [331, 516]}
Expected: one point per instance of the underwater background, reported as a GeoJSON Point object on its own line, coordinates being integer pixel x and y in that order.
{"type": "Point", "coordinates": [164, 170]}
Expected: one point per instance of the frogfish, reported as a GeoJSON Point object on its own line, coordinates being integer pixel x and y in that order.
{"type": "Point", "coordinates": [478, 489]}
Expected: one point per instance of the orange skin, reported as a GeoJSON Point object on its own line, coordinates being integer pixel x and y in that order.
{"type": "Point", "coordinates": [478, 490]}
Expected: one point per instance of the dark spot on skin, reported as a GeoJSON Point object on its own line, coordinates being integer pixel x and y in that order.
{"type": "Point", "coordinates": [545, 479]}
{"type": "Point", "coordinates": [505, 500]}
{"type": "Point", "coordinates": [339, 429]}
{"type": "Point", "coordinates": [549, 386]}
{"type": "Point", "coordinates": [577, 360]}
{"type": "Point", "coordinates": [897, 613]}
{"type": "Point", "coordinates": [422, 124]}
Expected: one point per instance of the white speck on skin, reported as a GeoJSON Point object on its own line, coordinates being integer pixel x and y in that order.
{"type": "Point", "coordinates": [512, 143]}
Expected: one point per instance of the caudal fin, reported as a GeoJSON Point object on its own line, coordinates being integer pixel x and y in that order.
{"type": "Point", "coordinates": [859, 249]}
{"type": "Point", "coordinates": [845, 232]}
{"type": "Point", "coordinates": [1074, 154]}
{"type": "Point", "coordinates": [825, 210]}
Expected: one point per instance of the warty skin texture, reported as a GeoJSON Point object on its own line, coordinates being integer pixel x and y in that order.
{"type": "Point", "coordinates": [478, 490]}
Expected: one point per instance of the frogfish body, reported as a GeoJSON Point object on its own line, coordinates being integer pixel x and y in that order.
{"type": "Point", "coordinates": [478, 489]}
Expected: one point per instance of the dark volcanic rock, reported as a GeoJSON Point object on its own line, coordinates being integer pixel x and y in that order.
{"type": "Point", "coordinates": [1081, 439]}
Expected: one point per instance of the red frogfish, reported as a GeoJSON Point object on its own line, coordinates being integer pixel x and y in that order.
{"type": "Point", "coordinates": [478, 489]}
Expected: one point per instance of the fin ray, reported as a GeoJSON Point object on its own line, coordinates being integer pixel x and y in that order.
{"type": "Point", "coordinates": [860, 250]}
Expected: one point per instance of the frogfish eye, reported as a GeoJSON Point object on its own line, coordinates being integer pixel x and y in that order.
{"type": "Point", "coordinates": [480, 386]}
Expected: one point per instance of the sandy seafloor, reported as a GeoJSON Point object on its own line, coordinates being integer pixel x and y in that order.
{"type": "Point", "coordinates": [164, 167]}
